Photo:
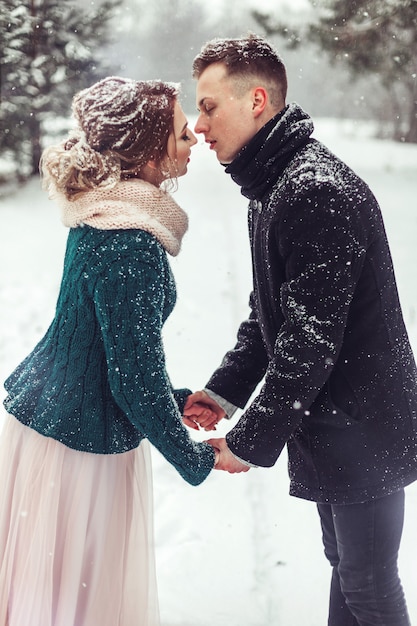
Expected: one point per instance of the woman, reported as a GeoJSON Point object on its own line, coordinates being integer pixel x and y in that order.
{"type": "Point", "coordinates": [75, 505]}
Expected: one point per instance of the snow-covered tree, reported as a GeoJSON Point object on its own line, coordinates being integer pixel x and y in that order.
{"type": "Point", "coordinates": [373, 37]}
{"type": "Point", "coordinates": [48, 50]}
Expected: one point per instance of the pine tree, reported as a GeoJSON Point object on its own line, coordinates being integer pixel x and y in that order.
{"type": "Point", "coordinates": [48, 51]}
{"type": "Point", "coordinates": [375, 37]}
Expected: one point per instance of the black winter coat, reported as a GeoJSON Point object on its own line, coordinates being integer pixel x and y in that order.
{"type": "Point", "coordinates": [325, 333]}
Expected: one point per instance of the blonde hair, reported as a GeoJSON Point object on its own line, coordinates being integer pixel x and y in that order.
{"type": "Point", "coordinates": [121, 125]}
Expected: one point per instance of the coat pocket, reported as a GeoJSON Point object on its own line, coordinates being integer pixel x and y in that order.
{"type": "Point", "coordinates": [337, 404]}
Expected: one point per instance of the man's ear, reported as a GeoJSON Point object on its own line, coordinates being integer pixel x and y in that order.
{"type": "Point", "coordinates": [259, 100]}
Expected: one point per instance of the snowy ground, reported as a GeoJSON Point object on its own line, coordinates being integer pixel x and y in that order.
{"type": "Point", "coordinates": [236, 551]}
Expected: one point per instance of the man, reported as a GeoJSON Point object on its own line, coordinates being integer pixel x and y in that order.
{"type": "Point", "coordinates": [325, 333]}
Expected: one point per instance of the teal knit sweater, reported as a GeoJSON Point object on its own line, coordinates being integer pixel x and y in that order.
{"type": "Point", "coordinates": [97, 381]}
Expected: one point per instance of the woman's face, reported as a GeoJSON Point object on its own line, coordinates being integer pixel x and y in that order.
{"type": "Point", "coordinates": [179, 146]}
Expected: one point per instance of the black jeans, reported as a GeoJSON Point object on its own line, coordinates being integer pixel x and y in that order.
{"type": "Point", "coordinates": [361, 541]}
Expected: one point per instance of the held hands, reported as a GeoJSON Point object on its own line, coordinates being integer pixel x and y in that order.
{"type": "Point", "coordinates": [201, 411]}
{"type": "Point", "coordinates": [225, 460]}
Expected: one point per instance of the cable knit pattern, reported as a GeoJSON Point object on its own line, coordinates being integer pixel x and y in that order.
{"type": "Point", "coordinates": [97, 381]}
{"type": "Point", "coordinates": [130, 204]}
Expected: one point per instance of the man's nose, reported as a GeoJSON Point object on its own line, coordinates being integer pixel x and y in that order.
{"type": "Point", "coordinates": [200, 125]}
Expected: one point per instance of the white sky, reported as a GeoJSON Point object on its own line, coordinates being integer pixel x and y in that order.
{"type": "Point", "coordinates": [264, 5]}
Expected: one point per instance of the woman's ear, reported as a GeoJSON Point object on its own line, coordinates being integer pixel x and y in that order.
{"type": "Point", "coordinates": [152, 164]}
{"type": "Point", "coordinates": [151, 172]}
{"type": "Point", "coordinates": [259, 100]}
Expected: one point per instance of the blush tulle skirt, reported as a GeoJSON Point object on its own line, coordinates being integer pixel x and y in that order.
{"type": "Point", "coordinates": [76, 534]}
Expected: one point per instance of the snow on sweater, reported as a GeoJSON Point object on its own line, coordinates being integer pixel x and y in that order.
{"type": "Point", "coordinates": [97, 380]}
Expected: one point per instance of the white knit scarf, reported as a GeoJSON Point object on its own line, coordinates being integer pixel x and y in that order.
{"type": "Point", "coordinates": [130, 204]}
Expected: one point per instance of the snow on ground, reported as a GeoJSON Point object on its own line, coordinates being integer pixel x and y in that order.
{"type": "Point", "coordinates": [236, 551]}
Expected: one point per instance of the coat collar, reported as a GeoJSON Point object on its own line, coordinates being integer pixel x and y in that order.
{"type": "Point", "coordinates": [260, 163]}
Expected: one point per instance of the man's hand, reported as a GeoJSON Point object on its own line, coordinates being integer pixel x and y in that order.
{"type": "Point", "coordinates": [226, 460]}
{"type": "Point", "coordinates": [201, 411]}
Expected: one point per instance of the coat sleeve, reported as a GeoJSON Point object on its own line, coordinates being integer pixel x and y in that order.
{"type": "Point", "coordinates": [130, 300]}
{"type": "Point", "coordinates": [244, 366]}
{"type": "Point", "coordinates": [322, 247]}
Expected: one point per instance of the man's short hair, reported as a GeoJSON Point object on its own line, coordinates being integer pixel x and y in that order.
{"type": "Point", "coordinates": [247, 58]}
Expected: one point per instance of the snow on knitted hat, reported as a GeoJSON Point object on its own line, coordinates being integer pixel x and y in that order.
{"type": "Point", "coordinates": [130, 204]}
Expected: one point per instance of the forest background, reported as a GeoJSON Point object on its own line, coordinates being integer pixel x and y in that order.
{"type": "Point", "coordinates": [355, 60]}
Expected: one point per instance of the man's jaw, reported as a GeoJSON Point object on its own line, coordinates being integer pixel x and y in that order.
{"type": "Point", "coordinates": [212, 143]}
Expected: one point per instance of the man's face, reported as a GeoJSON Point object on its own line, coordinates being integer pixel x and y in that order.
{"type": "Point", "coordinates": [226, 119]}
